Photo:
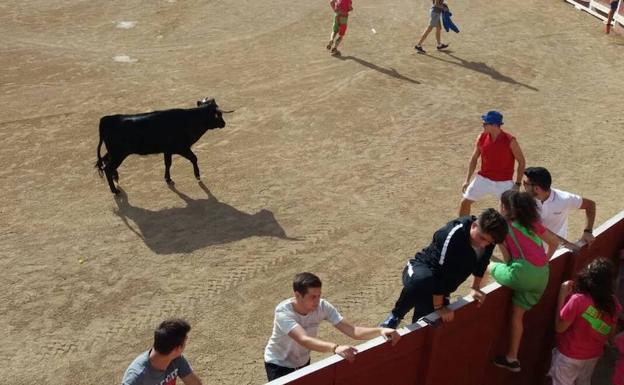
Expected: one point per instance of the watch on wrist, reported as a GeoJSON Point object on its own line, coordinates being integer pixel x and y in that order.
{"type": "Point", "coordinates": [588, 230]}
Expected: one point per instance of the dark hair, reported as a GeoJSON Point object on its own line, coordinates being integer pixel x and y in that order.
{"type": "Point", "coordinates": [304, 281]}
{"type": "Point", "coordinates": [539, 176]}
{"type": "Point", "coordinates": [170, 334]}
{"type": "Point", "coordinates": [492, 222]}
{"type": "Point", "coordinates": [521, 207]}
{"type": "Point", "coordinates": [598, 281]}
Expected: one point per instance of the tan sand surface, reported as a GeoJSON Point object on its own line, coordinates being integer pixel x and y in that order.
{"type": "Point", "coordinates": [339, 166]}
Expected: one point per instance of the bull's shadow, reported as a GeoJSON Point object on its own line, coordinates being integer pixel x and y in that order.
{"type": "Point", "coordinates": [202, 223]}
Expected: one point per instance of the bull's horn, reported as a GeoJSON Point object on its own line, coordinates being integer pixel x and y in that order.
{"type": "Point", "coordinates": [228, 111]}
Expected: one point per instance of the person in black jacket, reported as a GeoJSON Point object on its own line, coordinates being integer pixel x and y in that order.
{"type": "Point", "coordinates": [460, 248]}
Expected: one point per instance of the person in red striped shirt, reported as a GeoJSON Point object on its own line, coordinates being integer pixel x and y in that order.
{"type": "Point", "coordinates": [499, 152]}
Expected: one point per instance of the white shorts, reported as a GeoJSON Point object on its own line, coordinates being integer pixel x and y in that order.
{"type": "Point", "coordinates": [482, 186]}
{"type": "Point", "coordinates": [569, 371]}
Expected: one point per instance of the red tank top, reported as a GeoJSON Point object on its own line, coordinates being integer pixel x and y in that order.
{"type": "Point", "coordinates": [497, 160]}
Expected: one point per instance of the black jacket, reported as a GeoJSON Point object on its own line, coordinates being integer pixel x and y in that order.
{"type": "Point", "coordinates": [451, 257]}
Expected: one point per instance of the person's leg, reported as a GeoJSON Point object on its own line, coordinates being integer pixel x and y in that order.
{"type": "Point", "coordinates": [439, 34]}
{"type": "Point", "coordinates": [423, 305]}
{"type": "Point", "coordinates": [563, 370]}
{"type": "Point", "coordinates": [464, 207]}
{"type": "Point", "coordinates": [275, 371]}
{"type": "Point", "coordinates": [406, 300]}
{"type": "Point", "coordinates": [517, 328]}
{"type": "Point", "coordinates": [341, 32]}
{"type": "Point", "coordinates": [586, 370]}
{"type": "Point", "coordinates": [424, 36]}
{"type": "Point", "coordinates": [342, 29]}
{"type": "Point", "coordinates": [610, 16]}
{"type": "Point", "coordinates": [335, 28]}
{"type": "Point", "coordinates": [416, 291]}
{"type": "Point", "coordinates": [478, 188]}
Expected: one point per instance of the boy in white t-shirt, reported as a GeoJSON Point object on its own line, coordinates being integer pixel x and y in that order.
{"type": "Point", "coordinates": [296, 325]}
{"type": "Point", "coordinates": [555, 205]}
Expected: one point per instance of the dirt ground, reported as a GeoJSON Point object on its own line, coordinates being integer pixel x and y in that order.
{"type": "Point", "coordinates": [339, 166]}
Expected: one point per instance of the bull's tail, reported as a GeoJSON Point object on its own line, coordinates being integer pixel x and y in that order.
{"type": "Point", "coordinates": [99, 164]}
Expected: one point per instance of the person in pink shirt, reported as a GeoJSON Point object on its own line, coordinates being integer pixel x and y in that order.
{"type": "Point", "coordinates": [526, 265]}
{"type": "Point", "coordinates": [587, 312]}
{"type": "Point", "coordinates": [341, 17]}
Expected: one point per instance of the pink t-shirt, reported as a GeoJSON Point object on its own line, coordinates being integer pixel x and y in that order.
{"type": "Point", "coordinates": [618, 376]}
{"type": "Point", "coordinates": [529, 242]}
{"type": "Point", "coordinates": [584, 339]}
{"type": "Point", "coordinates": [343, 7]}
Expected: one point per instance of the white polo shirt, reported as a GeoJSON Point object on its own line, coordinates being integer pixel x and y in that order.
{"type": "Point", "coordinates": [284, 351]}
{"type": "Point", "coordinates": [554, 210]}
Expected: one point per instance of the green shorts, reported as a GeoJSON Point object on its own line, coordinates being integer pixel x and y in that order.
{"type": "Point", "coordinates": [527, 281]}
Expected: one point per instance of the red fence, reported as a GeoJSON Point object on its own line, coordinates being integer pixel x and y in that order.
{"type": "Point", "coordinates": [461, 352]}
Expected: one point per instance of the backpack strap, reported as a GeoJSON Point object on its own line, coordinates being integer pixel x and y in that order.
{"type": "Point", "coordinates": [513, 236]}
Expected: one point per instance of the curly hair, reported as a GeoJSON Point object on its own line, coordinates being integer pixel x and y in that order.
{"type": "Point", "coordinates": [521, 207]}
{"type": "Point", "coordinates": [598, 281]}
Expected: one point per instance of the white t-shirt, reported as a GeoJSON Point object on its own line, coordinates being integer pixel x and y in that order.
{"type": "Point", "coordinates": [284, 351]}
{"type": "Point", "coordinates": [554, 210]}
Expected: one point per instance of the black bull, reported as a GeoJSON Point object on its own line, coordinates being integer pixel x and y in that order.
{"type": "Point", "coordinates": [160, 132]}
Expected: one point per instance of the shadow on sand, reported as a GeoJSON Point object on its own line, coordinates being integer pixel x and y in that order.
{"type": "Point", "coordinates": [202, 223]}
{"type": "Point", "coordinates": [386, 71]}
{"type": "Point", "coordinates": [482, 68]}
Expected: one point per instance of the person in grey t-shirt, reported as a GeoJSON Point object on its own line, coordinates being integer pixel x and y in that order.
{"type": "Point", "coordinates": [296, 325]}
{"type": "Point", "coordinates": [164, 362]}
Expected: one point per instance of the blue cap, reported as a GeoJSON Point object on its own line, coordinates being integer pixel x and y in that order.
{"type": "Point", "coordinates": [493, 117]}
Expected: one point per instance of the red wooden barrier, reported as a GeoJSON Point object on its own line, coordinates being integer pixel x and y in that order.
{"type": "Point", "coordinates": [461, 352]}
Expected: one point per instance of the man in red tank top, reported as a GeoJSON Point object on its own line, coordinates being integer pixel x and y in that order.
{"type": "Point", "coordinates": [499, 151]}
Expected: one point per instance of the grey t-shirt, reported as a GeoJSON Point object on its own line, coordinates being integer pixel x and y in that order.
{"type": "Point", "coordinates": [141, 371]}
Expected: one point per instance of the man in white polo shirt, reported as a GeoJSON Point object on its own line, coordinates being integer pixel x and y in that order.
{"type": "Point", "coordinates": [555, 205]}
{"type": "Point", "coordinates": [296, 324]}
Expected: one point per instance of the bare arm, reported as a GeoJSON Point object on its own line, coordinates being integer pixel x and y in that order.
{"type": "Point", "coordinates": [366, 333]}
{"type": "Point", "coordinates": [475, 291]}
{"type": "Point", "coordinates": [445, 313]}
{"type": "Point", "coordinates": [506, 254]}
{"type": "Point", "coordinates": [566, 288]}
{"type": "Point", "coordinates": [471, 166]}
{"type": "Point", "coordinates": [590, 216]}
{"type": "Point", "coordinates": [191, 379]}
{"type": "Point", "coordinates": [568, 244]}
{"type": "Point", "coordinates": [519, 156]}
{"type": "Point", "coordinates": [551, 240]}
{"type": "Point", "coordinates": [318, 345]}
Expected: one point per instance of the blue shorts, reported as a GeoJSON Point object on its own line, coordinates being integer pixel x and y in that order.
{"type": "Point", "coordinates": [614, 5]}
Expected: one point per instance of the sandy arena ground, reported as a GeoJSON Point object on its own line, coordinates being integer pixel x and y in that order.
{"type": "Point", "coordinates": [339, 166]}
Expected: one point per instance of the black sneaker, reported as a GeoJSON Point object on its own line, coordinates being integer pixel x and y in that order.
{"type": "Point", "coordinates": [503, 362]}
{"type": "Point", "coordinates": [391, 322]}
{"type": "Point", "coordinates": [419, 49]}
{"type": "Point", "coordinates": [442, 46]}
